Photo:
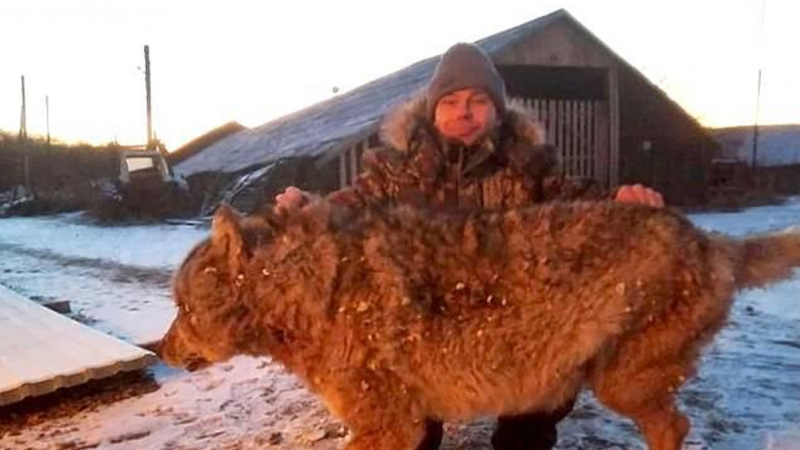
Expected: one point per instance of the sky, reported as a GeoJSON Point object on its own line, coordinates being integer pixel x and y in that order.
{"type": "Point", "coordinates": [254, 61]}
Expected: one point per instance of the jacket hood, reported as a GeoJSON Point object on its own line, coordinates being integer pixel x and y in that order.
{"type": "Point", "coordinates": [406, 121]}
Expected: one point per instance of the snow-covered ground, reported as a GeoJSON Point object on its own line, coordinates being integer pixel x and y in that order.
{"type": "Point", "coordinates": [118, 277]}
{"type": "Point", "coordinates": [746, 396]}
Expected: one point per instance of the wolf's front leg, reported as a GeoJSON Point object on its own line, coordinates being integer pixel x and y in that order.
{"type": "Point", "coordinates": [400, 434]}
{"type": "Point", "coordinates": [382, 415]}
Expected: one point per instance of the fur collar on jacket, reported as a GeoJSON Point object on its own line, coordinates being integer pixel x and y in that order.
{"type": "Point", "coordinates": [520, 138]}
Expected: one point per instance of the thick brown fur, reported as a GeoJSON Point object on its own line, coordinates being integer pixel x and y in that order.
{"type": "Point", "coordinates": [401, 315]}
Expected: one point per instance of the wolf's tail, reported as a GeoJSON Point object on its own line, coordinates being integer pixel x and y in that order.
{"type": "Point", "coordinates": [767, 258]}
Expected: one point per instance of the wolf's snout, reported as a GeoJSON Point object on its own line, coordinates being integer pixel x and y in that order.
{"type": "Point", "coordinates": [175, 351]}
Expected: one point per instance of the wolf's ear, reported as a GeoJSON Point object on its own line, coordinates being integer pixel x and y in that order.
{"type": "Point", "coordinates": [226, 235]}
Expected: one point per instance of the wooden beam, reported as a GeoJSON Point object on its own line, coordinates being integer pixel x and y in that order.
{"type": "Point", "coordinates": [343, 169]}
{"type": "Point", "coordinates": [354, 162]}
{"type": "Point", "coordinates": [601, 144]}
{"type": "Point", "coordinates": [59, 306]}
{"type": "Point", "coordinates": [613, 126]}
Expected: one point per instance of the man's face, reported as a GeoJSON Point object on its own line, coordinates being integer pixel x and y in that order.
{"type": "Point", "coordinates": [465, 115]}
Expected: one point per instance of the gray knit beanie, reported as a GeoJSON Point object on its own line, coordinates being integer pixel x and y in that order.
{"type": "Point", "coordinates": [465, 66]}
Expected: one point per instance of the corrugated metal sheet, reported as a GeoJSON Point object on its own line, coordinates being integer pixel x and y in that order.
{"type": "Point", "coordinates": [41, 350]}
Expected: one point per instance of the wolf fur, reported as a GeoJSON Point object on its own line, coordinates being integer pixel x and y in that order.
{"type": "Point", "coordinates": [401, 315]}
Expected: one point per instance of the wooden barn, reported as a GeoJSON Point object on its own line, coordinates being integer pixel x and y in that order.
{"type": "Point", "coordinates": [608, 121]}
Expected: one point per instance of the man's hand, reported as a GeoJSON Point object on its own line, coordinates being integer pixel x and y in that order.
{"type": "Point", "coordinates": [291, 199]}
{"type": "Point", "coordinates": [639, 194]}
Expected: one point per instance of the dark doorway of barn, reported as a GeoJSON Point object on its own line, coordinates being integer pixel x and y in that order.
{"type": "Point", "coordinates": [572, 103]}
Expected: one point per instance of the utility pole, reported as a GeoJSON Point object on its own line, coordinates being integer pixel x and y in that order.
{"type": "Point", "coordinates": [48, 159]}
{"type": "Point", "coordinates": [755, 124]}
{"type": "Point", "coordinates": [23, 141]}
{"type": "Point", "coordinates": [756, 130]}
{"type": "Point", "coordinates": [23, 126]}
{"type": "Point", "coordinates": [47, 112]}
{"type": "Point", "coordinates": [147, 87]}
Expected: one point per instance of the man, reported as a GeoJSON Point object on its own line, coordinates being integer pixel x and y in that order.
{"type": "Point", "coordinates": [461, 145]}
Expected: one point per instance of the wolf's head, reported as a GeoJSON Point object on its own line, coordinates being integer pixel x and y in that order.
{"type": "Point", "coordinates": [207, 294]}
{"type": "Point", "coordinates": [234, 291]}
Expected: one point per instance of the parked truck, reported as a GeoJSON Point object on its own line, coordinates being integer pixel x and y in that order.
{"type": "Point", "coordinates": [145, 187]}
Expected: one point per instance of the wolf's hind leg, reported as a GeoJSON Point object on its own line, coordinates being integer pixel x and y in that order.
{"type": "Point", "coordinates": [434, 432]}
{"type": "Point", "coordinates": [641, 385]}
{"type": "Point", "coordinates": [651, 407]}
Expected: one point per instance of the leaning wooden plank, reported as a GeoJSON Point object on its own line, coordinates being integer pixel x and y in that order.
{"type": "Point", "coordinates": [41, 350]}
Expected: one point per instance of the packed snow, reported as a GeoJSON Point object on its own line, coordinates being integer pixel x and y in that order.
{"type": "Point", "coordinates": [117, 277]}
{"type": "Point", "coordinates": [745, 397]}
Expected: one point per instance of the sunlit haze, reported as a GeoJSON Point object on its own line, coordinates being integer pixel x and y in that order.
{"type": "Point", "coordinates": [253, 61]}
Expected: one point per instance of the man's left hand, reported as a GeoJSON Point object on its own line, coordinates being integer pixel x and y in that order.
{"type": "Point", "coordinates": [639, 194]}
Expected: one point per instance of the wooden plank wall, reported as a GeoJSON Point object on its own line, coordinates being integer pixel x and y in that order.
{"type": "Point", "coordinates": [350, 163]}
{"type": "Point", "coordinates": [579, 129]}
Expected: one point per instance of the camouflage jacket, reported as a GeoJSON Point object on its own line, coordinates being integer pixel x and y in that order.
{"type": "Point", "coordinates": [512, 167]}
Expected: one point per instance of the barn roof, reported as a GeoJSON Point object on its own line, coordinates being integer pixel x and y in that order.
{"type": "Point", "coordinates": [346, 119]}
{"type": "Point", "coordinates": [337, 122]}
{"type": "Point", "coordinates": [203, 141]}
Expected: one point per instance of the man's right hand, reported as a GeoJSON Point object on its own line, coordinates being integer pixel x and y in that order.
{"type": "Point", "coordinates": [640, 194]}
{"type": "Point", "coordinates": [291, 199]}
